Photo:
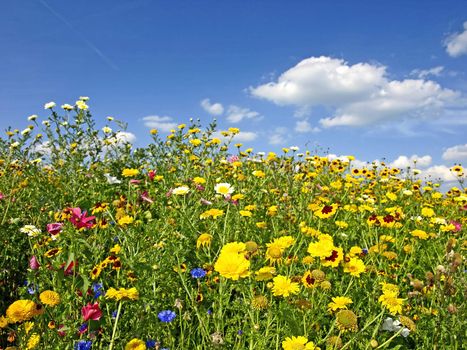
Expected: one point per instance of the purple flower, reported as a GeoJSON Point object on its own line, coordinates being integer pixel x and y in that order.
{"type": "Point", "coordinates": [198, 273]}
{"type": "Point", "coordinates": [166, 316]}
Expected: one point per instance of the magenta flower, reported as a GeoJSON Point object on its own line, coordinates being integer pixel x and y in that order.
{"type": "Point", "coordinates": [54, 228]}
{"type": "Point", "coordinates": [151, 175]}
{"type": "Point", "coordinates": [457, 225]}
{"type": "Point", "coordinates": [145, 197]}
{"type": "Point", "coordinates": [33, 263]}
{"type": "Point", "coordinates": [80, 220]}
{"type": "Point", "coordinates": [91, 312]}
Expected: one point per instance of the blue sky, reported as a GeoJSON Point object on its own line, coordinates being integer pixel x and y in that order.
{"type": "Point", "coordinates": [375, 79]}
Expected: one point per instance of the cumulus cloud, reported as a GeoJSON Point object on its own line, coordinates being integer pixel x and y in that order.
{"type": "Point", "coordinates": [304, 126]}
{"type": "Point", "coordinates": [236, 114]}
{"type": "Point", "coordinates": [163, 124]}
{"type": "Point", "coordinates": [423, 73]}
{"type": "Point", "coordinates": [242, 136]}
{"type": "Point", "coordinates": [455, 153]}
{"type": "Point", "coordinates": [403, 162]}
{"type": "Point", "coordinates": [125, 137]}
{"type": "Point", "coordinates": [438, 172]}
{"type": "Point", "coordinates": [456, 44]}
{"type": "Point", "coordinates": [212, 108]}
{"type": "Point", "coordinates": [360, 94]}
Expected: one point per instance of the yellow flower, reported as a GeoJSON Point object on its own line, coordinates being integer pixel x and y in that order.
{"type": "Point", "coordinates": [232, 265]}
{"type": "Point", "coordinates": [125, 220]}
{"type": "Point", "coordinates": [33, 341]}
{"type": "Point", "coordinates": [322, 248]}
{"type": "Point", "coordinates": [308, 280]}
{"type": "Point", "coordinates": [389, 288]}
{"type": "Point", "coordinates": [259, 173]}
{"type": "Point", "coordinates": [234, 248]}
{"type": "Point", "coordinates": [50, 298]}
{"type": "Point", "coordinates": [122, 294]}
{"type": "Point", "coordinates": [3, 322]}
{"type": "Point", "coordinates": [135, 344]}
{"type": "Point", "coordinates": [333, 260]}
{"type": "Point", "coordinates": [326, 211]}
{"type": "Point", "coordinates": [283, 286]}
{"type": "Point", "coordinates": [420, 234]}
{"type": "Point", "coordinates": [246, 213]}
{"type": "Point", "coordinates": [130, 172]}
{"type": "Point", "coordinates": [203, 240]}
{"type": "Point", "coordinates": [355, 267]}
{"type": "Point", "coordinates": [199, 180]}
{"type": "Point", "coordinates": [22, 310]}
{"type": "Point", "coordinates": [391, 302]}
{"type": "Point", "coordinates": [214, 213]}
{"type": "Point", "coordinates": [265, 273]}
{"type": "Point", "coordinates": [428, 212]}
{"type": "Point", "coordinates": [298, 343]}
{"type": "Point", "coordinates": [339, 303]}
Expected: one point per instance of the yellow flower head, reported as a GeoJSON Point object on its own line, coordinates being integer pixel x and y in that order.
{"type": "Point", "coordinates": [203, 240]}
{"type": "Point", "coordinates": [130, 172]}
{"type": "Point", "coordinates": [22, 310]}
{"type": "Point", "coordinates": [232, 265]}
{"type": "Point", "coordinates": [50, 298]}
{"type": "Point", "coordinates": [135, 344]}
{"type": "Point", "coordinates": [339, 303]}
{"type": "Point", "coordinates": [283, 286]}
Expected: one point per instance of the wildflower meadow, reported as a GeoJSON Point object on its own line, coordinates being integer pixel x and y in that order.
{"type": "Point", "coordinates": [195, 242]}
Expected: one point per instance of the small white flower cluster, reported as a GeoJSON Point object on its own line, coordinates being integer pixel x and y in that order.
{"type": "Point", "coordinates": [395, 326]}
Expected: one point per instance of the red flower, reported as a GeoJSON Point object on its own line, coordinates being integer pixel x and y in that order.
{"type": "Point", "coordinates": [91, 312]}
{"type": "Point", "coordinates": [80, 220]}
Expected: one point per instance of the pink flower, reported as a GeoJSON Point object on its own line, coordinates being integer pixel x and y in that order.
{"type": "Point", "coordinates": [2, 196]}
{"type": "Point", "coordinates": [135, 182]}
{"type": "Point", "coordinates": [54, 228]}
{"type": "Point", "coordinates": [91, 312]}
{"type": "Point", "coordinates": [145, 197]}
{"type": "Point", "coordinates": [33, 263]}
{"type": "Point", "coordinates": [457, 225]}
{"type": "Point", "coordinates": [80, 220]}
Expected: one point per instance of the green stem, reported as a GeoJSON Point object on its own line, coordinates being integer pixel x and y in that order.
{"type": "Point", "coordinates": [115, 326]}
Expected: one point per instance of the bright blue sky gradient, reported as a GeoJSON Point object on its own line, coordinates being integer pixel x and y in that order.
{"type": "Point", "coordinates": [162, 58]}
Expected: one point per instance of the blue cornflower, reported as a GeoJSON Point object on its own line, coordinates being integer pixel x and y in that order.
{"type": "Point", "coordinates": [98, 289]}
{"type": "Point", "coordinates": [198, 272]}
{"type": "Point", "coordinates": [83, 345]}
{"type": "Point", "coordinates": [240, 332]}
{"type": "Point", "coordinates": [365, 251]}
{"type": "Point", "coordinates": [114, 314]}
{"type": "Point", "coordinates": [166, 316]}
{"type": "Point", "coordinates": [209, 311]}
{"type": "Point", "coordinates": [150, 343]}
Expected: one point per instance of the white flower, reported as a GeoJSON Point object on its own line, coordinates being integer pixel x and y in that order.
{"type": "Point", "coordinates": [391, 325]}
{"type": "Point", "coordinates": [224, 189]}
{"type": "Point", "coordinates": [181, 190]}
{"type": "Point", "coordinates": [112, 179]}
{"type": "Point", "coordinates": [49, 105]}
{"type": "Point", "coordinates": [405, 332]}
{"type": "Point", "coordinates": [14, 145]}
{"type": "Point", "coordinates": [81, 105]}
{"type": "Point", "coordinates": [407, 192]}
{"type": "Point", "coordinates": [67, 107]}
{"type": "Point", "coordinates": [106, 130]}
{"type": "Point", "coordinates": [31, 230]}
{"type": "Point", "coordinates": [32, 117]}
{"type": "Point", "coordinates": [294, 148]}
{"type": "Point", "coordinates": [25, 131]}
{"type": "Point", "coordinates": [46, 123]}
{"type": "Point", "coordinates": [83, 98]}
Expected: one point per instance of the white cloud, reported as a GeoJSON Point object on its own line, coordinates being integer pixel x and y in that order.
{"type": "Point", "coordinates": [125, 137]}
{"type": "Point", "coordinates": [278, 136]}
{"type": "Point", "coordinates": [163, 124]}
{"type": "Point", "coordinates": [236, 114]}
{"type": "Point", "coordinates": [213, 109]}
{"type": "Point", "coordinates": [423, 73]}
{"type": "Point", "coordinates": [456, 44]}
{"type": "Point", "coordinates": [436, 172]}
{"type": "Point", "coordinates": [455, 153]}
{"type": "Point", "coordinates": [304, 126]}
{"type": "Point", "coordinates": [242, 136]}
{"type": "Point", "coordinates": [360, 94]}
{"type": "Point", "coordinates": [413, 161]}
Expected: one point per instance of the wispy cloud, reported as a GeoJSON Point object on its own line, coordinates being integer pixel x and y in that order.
{"type": "Point", "coordinates": [88, 43]}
